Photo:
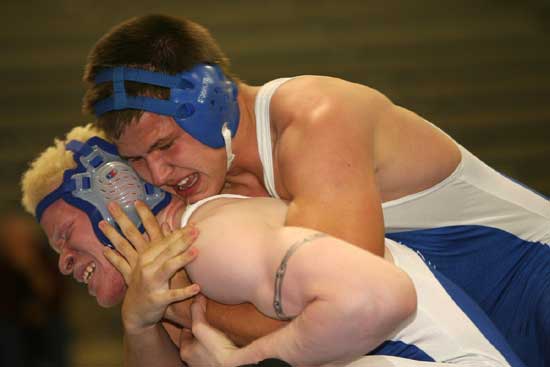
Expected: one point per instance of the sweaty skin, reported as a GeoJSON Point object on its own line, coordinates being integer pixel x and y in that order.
{"type": "Point", "coordinates": [344, 135]}
{"type": "Point", "coordinates": [251, 233]}
{"type": "Point", "coordinates": [343, 152]}
{"type": "Point", "coordinates": [70, 234]}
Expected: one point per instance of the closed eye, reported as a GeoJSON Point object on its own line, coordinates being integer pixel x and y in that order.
{"type": "Point", "coordinates": [165, 146]}
{"type": "Point", "coordinates": [63, 237]}
{"type": "Point", "coordinates": [133, 159]}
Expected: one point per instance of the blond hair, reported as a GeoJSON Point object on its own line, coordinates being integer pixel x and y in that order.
{"type": "Point", "coordinates": [45, 173]}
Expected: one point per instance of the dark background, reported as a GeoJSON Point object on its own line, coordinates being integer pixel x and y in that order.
{"type": "Point", "coordinates": [479, 69]}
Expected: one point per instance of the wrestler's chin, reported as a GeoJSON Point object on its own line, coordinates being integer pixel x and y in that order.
{"type": "Point", "coordinates": [111, 295]}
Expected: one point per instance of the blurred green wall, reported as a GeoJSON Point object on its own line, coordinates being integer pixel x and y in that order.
{"type": "Point", "coordinates": [479, 69]}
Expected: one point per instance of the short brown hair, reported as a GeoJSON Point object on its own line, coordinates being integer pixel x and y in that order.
{"type": "Point", "coordinates": [153, 42]}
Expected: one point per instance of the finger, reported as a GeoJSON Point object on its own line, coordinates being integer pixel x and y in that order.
{"type": "Point", "coordinates": [175, 242]}
{"type": "Point", "coordinates": [179, 294]}
{"type": "Point", "coordinates": [149, 221]}
{"type": "Point", "coordinates": [128, 228]}
{"type": "Point", "coordinates": [181, 237]}
{"type": "Point", "coordinates": [119, 263]}
{"type": "Point", "coordinates": [171, 266]}
{"type": "Point", "coordinates": [165, 229]}
{"type": "Point", "coordinates": [178, 242]}
{"type": "Point", "coordinates": [198, 309]}
{"type": "Point", "coordinates": [210, 338]}
{"type": "Point", "coordinates": [187, 341]}
{"type": "Point", "coordinates": [120, 243]}
{"type": "Point", "coordinates": [188, 233]}
{"type": "Point", "coordinates": [186, 337]}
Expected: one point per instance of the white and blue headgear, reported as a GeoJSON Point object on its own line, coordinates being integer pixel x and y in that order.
{"type": "Point", "coordinates": [203, 102]}
{"type": "Point", "coordinates": [100, 177]}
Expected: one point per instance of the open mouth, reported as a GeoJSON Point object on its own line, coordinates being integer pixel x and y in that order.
{"type": "Point", "coordinates": [185, 187]}
{"type": "Point", "coordinates": [88, 273]}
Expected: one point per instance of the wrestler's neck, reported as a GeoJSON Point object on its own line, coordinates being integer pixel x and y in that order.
{"type": "Point", "coordinates": [172, 213]}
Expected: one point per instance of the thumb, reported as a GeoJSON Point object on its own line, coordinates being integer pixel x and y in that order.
{"type": "Point", "coordinates": [186, 337]}
{"type": "Point", "coordinates": [187, 341]}
{"type": "Point", "coordinates": [198, 309]}
{"type": "Point", "coordinates": [210, 338]}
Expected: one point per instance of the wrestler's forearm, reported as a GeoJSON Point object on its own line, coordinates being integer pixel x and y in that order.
{"type": "Point", "coordinates": [352, 302]}
{"type": "Point", "coordinates": [241, 323]}
{"type": "Point", "coordinates": [320, 334]}
{"type": "Point", "coordinates": [150, 347]}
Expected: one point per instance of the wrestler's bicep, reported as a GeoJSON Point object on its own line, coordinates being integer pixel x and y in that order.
{"type": "Point", "coordinates": [230, 263]}
{"type": "Point", "coordinates": [332, 186]}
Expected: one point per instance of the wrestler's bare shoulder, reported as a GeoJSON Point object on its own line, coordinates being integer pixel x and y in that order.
{"type": "Point", "coordinates": [256, 208]}
{"type": "Point", "coordinates": [236, 231]}
{"type": "Point", "coordinates": [362, 118]}
{"type": "Point", "coordinates": [310, 97]}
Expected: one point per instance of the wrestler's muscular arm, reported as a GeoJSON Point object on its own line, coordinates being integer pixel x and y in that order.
{"type": "Point", "coordinates": [325, 155]}
{"type": "Point", "coordinates": [347, 301]}
{"type": "Point", "coordinates": [324, 164]}
{"type": "Point", "coordinates": [242, 323]}
{"type": "Point", "coordinates": [231, 317]}
{"type": "Point", "coordinates": [362, 299]}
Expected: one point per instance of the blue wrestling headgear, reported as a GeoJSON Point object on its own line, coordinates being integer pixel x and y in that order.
{"type": "Point", "coordinates": [203, 102]}
{"type": "Point", "coordinates": [100, 177]}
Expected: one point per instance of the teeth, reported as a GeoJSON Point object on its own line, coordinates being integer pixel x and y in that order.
{"type": "Point", "coordinates": [88, 273]}
{"type": "Point", "coordinates": [184, 181]}
{"type": "Point", "coordinates": [188, 181]}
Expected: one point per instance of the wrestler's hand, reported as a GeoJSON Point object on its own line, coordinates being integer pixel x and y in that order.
{"type": "Point", "coordinates": [148, 265]}
{"type": "Point", "coordinates": [180, 312]}
{"type": "Point", "coordinates": [206, 346]}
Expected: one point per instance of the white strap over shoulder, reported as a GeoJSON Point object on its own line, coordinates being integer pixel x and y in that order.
{"type": "Point", "coordinates": [192, 207]}
{"type": "Point", "coordinates": [263, 132]}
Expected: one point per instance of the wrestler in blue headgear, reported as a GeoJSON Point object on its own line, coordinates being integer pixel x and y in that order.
{"type": "Point", "coordinates": [203, 102]}
{"type": "Point", "coordinates": [100, 177]}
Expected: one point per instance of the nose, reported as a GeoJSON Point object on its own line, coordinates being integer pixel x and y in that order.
{"type": "Point", "coordinates": [158, 169]}
{"type": "Point", "coordinates": [66, 262]}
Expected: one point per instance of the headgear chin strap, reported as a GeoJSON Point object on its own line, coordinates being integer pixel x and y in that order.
{"type": "Point", "coordinates": [100, 177]}
{"type": "Point", "coordinates": [202, 100]}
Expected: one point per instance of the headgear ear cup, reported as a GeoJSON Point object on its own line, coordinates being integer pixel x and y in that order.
{"type": "Point", "coordinates": [202, 100]}
{"type": "Point", "coordinates": [100, 177]}
{"type": "Point", "coordinates": [119, 183]}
